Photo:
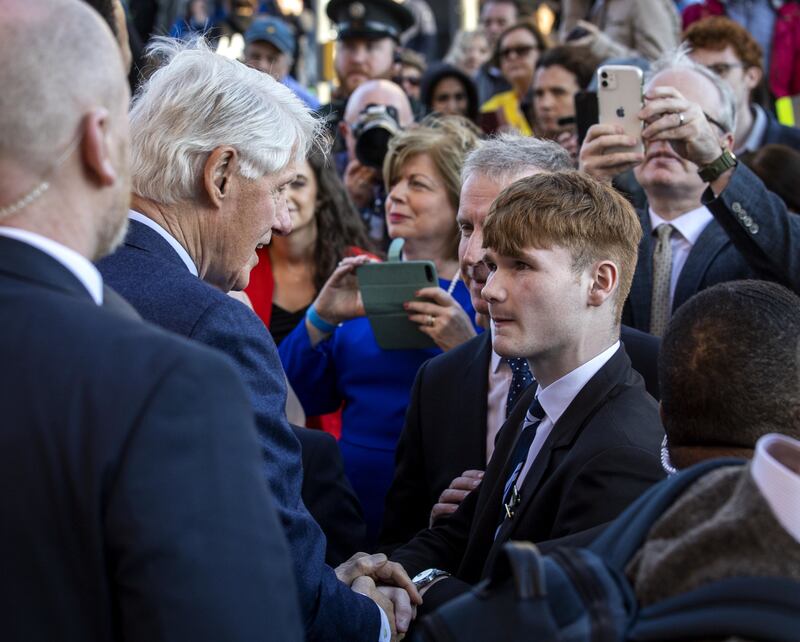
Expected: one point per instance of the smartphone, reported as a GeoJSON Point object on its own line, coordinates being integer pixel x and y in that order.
{"type": "Point", "coordinates": [585, 113]}
{"type": "Point", "coordinates": [619, 100]}
{"type": "Point", "coordinates": [385, 287]}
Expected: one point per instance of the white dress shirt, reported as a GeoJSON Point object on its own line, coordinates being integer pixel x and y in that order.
{"type": "Point", "coordinates": [499, 382]}
{"type": "Point", "coordinates": [78, 265]}
{"type": "Point", "coordinates": [776, 473]}
{"type": "Point", "coordinates": [557, 397]}
{"type": "Point", "coordinates": [688, 228]}
{"type": "Point", "coordinates": [181, 251]}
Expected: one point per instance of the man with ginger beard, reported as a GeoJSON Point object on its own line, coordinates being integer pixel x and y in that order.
{"type": "Point", "coordinates": [368, 36]}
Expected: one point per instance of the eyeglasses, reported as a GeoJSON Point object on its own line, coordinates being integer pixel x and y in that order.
{"type": "Point", "coordinates": [722, 69]}
{"type": "Point", "coordinates": [716, 123]}
{"type": "Point", "coordinates": [411, 80]}
{"type": "Point", "coordinates": [518, 51]}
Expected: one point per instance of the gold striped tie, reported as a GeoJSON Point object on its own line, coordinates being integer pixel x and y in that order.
{"type": "Point", "coordinates": [660, 304]}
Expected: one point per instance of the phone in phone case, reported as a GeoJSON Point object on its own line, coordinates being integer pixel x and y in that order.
{"type": "Point", "coordinates": [384, 288]}
{"type": "Point", "coordinates": [619, 100]}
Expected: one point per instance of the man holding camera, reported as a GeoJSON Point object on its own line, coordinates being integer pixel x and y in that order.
{"type": "Point", "coordinates": [376, 111]}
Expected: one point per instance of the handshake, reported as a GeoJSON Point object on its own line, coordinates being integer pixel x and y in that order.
{"type": "Point", "coordinates": [387, 584]}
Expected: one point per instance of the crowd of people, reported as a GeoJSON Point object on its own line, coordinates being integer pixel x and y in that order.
{"type": "Point", "coordinates": [205, 435]}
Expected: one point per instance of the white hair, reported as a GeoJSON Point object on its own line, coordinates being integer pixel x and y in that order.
{"type": "Point", "coordinates": [678, 60]}
{"type": "Point", "coordinates": [199, 100]}
{"type": "Point", "coordinates": [507, 156]}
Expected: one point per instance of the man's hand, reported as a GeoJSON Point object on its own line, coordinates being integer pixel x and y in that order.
{"type": "Point", "coordinates": [360, 182]}
{"type": "Point", "coordinates": [404, 611]}
{"type": "Point", "coordinates": [671, 117]}
{"type": "Point", "coordinates": [569, 141]}
{"type": "Point", "coordinates": [366, 586]}
{"type": "Point", "coordinates": [442, 318]}
{"type": "Point", "coordinates": [598, 156]}
{"type": "Point", "coordinates": [453, 495]}
{"type": "Point", "coordinates": [380, 569]}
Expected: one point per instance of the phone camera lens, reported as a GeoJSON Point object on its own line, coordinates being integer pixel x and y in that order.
{"type": "Point", "coordinates": [605, 83]}
{"type": "Point", "coordinates": [604, 74]}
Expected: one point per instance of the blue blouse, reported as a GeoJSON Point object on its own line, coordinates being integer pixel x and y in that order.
{"type": "Point", "coordinates": [374, 385]}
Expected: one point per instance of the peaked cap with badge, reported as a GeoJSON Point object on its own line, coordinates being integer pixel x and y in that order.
{"type": "Point", "coordinates": [369, 19]}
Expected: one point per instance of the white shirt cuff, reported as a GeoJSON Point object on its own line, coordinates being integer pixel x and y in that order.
{"type": "Point", "coordinates": [386, 630]}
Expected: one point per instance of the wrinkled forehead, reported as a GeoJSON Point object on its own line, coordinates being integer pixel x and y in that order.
{"type": "Point", "coordinates": [693, 86]}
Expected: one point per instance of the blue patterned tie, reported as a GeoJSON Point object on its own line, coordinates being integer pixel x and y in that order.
{"type": "Point", "coordinates": [521, 378]}
{"type": "Point", "coordinates": [533, 418]}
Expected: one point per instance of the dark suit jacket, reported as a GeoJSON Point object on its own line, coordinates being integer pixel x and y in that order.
{"type": "Point", "coordinates": [730, 247]}
{"type": "Point", "coordinates": [780, 134]}
{"type": "Point", "coordinates": [602, 454]}
{"type": "Point", "coordinates": [151, 276]}
{"type": "Point", "coordinates": [132, 500]}
{"type": "Point", "coordinates": [445, 429]}
{"type": "Point", "coordinates": [329, 497]}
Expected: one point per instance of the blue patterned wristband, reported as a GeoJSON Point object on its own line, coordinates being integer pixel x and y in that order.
{"type": "Point", "coordinates": [318, 322]}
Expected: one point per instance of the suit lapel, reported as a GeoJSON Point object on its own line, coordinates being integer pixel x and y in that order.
{"type": "Point", "coordinates": [563, 435]}
{"type": "Point", "coordinates": [642, 286]}
{"type": "Point", "coordinates": [710, 243]}
{"type": "Point", "coordinates": [27, 263]}
{"type": "Point", "coordinates": [473, 408]}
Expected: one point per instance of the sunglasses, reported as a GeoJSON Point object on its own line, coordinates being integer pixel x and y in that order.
{"type": "Point", "coordinates": [411, 80]}
{"type": "Point", "coordinates": [518, 51]}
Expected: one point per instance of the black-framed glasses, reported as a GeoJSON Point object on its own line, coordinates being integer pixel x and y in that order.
{"type": "Point", "coordinates": [722, 69]}
{"type": "Point", "coordinates": [716, 123]}
{"type": "Point", "coordinates": [518, 51]}
{"type": "Point", "coordinates": [411, 80]}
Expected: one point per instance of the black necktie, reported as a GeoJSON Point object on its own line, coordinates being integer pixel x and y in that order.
{"type": "Point", "coordinates": [521, 378]}
{"type": "Point", "coordinates": [533, 418]}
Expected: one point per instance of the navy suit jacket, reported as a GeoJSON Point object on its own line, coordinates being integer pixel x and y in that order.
{"type": "Point", "coordinates": [131, 495]}
{"type": "Point", "coordinates": [445, 428]}
{"type": "Point", "coordinates": [152, 277]}
{"type": "Point", "coordinates": [752, 236]}
{"type": "Point", "coordinates": [780, 134]}
{"type": "Point", "coordinates": [601, 455]}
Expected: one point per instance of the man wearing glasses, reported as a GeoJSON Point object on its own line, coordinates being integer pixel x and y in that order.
{"type": "Point", "coordinates": [708, 219]}
{"type": "Point", "coordinates": [728, 49]}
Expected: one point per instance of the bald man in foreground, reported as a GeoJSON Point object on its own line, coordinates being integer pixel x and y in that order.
{"type": "Point", "coordinates": [132, 501]}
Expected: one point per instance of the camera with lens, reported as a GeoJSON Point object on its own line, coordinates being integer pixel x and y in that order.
{"type": "Point", "coordinates": [375, 127]}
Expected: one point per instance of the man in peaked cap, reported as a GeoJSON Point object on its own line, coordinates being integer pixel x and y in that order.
{"type": "Point", "coordinates": [270, 47]}
{"type": "Point", "coordinates": [369, 32]}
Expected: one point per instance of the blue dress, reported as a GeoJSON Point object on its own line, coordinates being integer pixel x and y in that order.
{"type": "Point", "coordinates": [374, 385]}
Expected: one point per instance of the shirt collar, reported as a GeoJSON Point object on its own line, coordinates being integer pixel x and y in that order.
{"type": "Point", "coordinates": [779, 484]}
{"type": "Point", "coordinates": [757, 131]}
{"type": "Point", "coordinates": [173, 242]}
{"type": "Point", "coordinates": [557, 397]}
{"type": "Point", "coordinates": [78, 265]}
{"type": "Point", "coordinates": [689, 225]}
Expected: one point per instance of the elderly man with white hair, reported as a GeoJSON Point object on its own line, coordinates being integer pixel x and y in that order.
{"type": "Point", "coordinates": [214, 145]}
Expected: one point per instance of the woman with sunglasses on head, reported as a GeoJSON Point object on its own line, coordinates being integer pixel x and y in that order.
{"type": "Point", "coordinates": [517, 52]}
{"type": "Point", "coordinates": [334, 358]}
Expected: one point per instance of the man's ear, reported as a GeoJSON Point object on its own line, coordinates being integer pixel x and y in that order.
{"type": "Point", "coordinates": [752, 76]}
{"type": "Point", "coordinates": [218, 172]}
{"type": "Point", "coordinates": [605, 278]}
{"type": "Point", "coordinates": [94, 147]}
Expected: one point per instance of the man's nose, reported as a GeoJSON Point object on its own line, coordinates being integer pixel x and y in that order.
{"type": "Point", "coordinates": [283, 220]}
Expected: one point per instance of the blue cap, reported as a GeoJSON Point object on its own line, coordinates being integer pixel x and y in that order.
{"type": "Point", "coordinates": [272, 30]}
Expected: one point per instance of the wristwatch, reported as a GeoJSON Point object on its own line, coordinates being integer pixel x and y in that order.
{"type": "Point", "coordinates": [711, 172]}
{"type": "Point", "coordinates": [421, 580]}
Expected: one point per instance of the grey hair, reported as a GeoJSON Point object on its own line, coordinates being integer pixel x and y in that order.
{"type": "Point", "coordinates": [199, 100]}
{"type": "Point", "coordinates": [678, 60]}
{"type": "Point", "coordinates": [508, 155]}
